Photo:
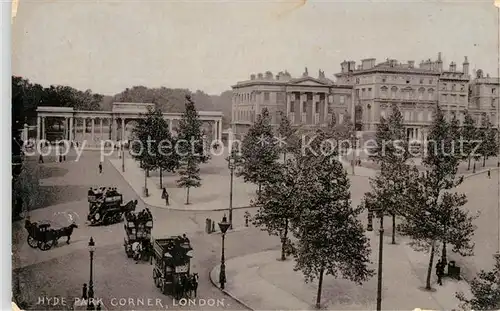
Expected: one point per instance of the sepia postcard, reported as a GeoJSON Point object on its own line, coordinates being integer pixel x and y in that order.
{"type": "Point", "coordinates": [255, 155]}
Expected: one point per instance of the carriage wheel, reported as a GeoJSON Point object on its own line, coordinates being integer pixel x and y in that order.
{"type": "Point", "coordinates": [32, 242]}
{"type": "Point", "coordinates": [45, 245]}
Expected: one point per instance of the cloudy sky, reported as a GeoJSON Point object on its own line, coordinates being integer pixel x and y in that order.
{"type": "Point", "coordinates": [209, 45]}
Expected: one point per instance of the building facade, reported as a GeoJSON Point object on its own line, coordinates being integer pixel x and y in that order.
{"type": "Point", "coordinates": [366, 93]}
{"type": "Point", "coordinates": [306, 101]}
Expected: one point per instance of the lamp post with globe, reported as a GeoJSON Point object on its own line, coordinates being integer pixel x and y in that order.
{"type": "Point", "coordinates": [223, 226]}
{"type": "Point", "coordinates": [231, 166]}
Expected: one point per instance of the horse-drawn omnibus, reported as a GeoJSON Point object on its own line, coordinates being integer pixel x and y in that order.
{"type": "Point", "coordinates": [172, 267]}
{"type": "Point", "coordinates": [105, 206]}
{"type": "Point", "coordinates": [137, 241]}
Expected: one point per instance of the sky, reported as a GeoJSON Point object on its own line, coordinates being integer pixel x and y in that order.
{"type": "Point", "coordinates": [107, 46]}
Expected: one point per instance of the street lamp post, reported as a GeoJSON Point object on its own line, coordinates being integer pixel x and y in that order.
{"type": "Point", "coordinates": [380, 258]}
{"type": "Point", "coordinates": [353, 140]}
{"type": "Point", "coordinates": [90, 305]}
{"type": "Point", "coordinates": [231, 165]}
{"type": "Point", "coordinates": [223, 226]}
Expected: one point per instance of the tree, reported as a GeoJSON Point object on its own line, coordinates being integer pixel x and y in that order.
{"type": "Point", "coordinates": [286, 134]}
{"type": "Point", "coordinates": [485, 288]}
{"type": "Point", "coordinates": [488, 140]}
{"type": "Point", "coordinates": [330, 237]}
{"type": "Point", "coordinates": [469, 135]}
{"type": "Point", "coordinates": [277, 202]}
{"type": "Point", "coordinates": [391, 152]}
{"type": "Point", "coordinates": [259, 151]}
{"type": "Point", "coordinates": [144, 147]}
{"type": "Point", "coordinates": [190, 146]}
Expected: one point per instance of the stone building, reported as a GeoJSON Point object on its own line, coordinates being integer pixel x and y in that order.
{"type": "Point", "coordinates": [484, 98]}
{"type": "Point", "coordinates": [307, 101]}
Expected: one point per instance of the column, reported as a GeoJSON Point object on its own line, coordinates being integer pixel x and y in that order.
{"type": "Point", "coordinates": [71, 136]}
{"type": "Point", "coordinates": [288, 99]}
{"type": "Point", "coordinates": [214, 130]}
{"type": "Point", "coordinates": [123, 129]}
{"type": "Point", "coordinates": [38, 128]}
{"type": "Point", "coordinates": [170, 126]}
{"type": "Point", "coordinates": [43, 128]}
{"type": "Point", "coordinates": [92, 130]}
{"type": "Point", "coordinates": [325, 108]}
{"type": "Point", "coordinates": [219, 137]}
{"type": "Point", "coordinates": [303, 98]}
{"type": "Point", "coordinates": [101, 129]}
{"type": "Point", "coordinates": [115, 129]}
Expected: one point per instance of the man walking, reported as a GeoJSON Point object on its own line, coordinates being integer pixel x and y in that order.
{"type": "Point", "coordinates": [489, 173]}
{"type": "Point", "coordinates": [100, 167]}
{"type": "Point", "coordinates": [440, 272]}
{"type": "Point", "coordinates": [40, 158]}
{"type": "Point", "coordinates": [164, 195]}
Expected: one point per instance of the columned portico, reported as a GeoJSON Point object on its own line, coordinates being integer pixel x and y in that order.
{"type": "Point", "coordinates": [120, 111]}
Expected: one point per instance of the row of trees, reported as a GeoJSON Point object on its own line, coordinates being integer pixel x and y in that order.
{"type": "Point", "coordinates": [307, 196]}
{"type": "Point", "coordinates": [486, 134]}
{"type": "Point", "coordinates": [156, 148]}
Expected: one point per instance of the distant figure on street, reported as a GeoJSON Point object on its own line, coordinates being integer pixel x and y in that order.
{"type": "Point", "coordinates": [489, 173]}
{"type": "Point", "coordinates": [164, 195]}
{"type": "Point", "coordinates": [100, 167]}
{"type": "Point", "coordinates": [40, 159]}
{"type": "Point", "coordinates": [185, 238]}
{"type": "Point", "coordinates": [440, 271]}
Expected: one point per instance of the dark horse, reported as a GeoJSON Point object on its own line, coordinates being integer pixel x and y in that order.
{"type": "Point", "coordinates": [65, 231]}
{"type": "Point", "coordinates": [193, 285]}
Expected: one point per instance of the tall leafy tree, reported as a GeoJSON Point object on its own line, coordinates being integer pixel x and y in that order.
{"type": "Point", "coordinates": [330, 237]}
{"type": "Point", "coordinates": [259, 151]}
{"type": "Point", "coordinates": [485, 288]}
{"type": "Point", "coordinates": [488, 137]}
{"type": "Point", "coordinates": [144, 146]}
{"type": "Point", "coordinates": [278, 203]}
{"type": "Point", "coordinates": [286, 138]}
{"type": "Point", "coordinates": [432, 214]}
{"type": "Point", "coordinates": [391, 152]}
{"type": "Point", "coordinates": [469, 136]}
{"type": "Point", "coordinates": [190, 145]}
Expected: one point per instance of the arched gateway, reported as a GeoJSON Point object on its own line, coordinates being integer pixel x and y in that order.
{"type": "Point", "coordinates": [94, 126]}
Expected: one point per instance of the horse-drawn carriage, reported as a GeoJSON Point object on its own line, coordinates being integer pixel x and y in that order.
{"type": "Point", "coordinates": [105, 206]}
{"type": "Point", "coordinates": [42, 236]}
{"type": "Point", "coordinates": [172, 263]}
{"type": "Point", "coordinates": [137, 241]}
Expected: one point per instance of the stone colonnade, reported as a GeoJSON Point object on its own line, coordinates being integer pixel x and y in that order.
{"type": "Point", "coordinates": [76, 127]}
{"type": "Point", "coordinates": [308, 107]}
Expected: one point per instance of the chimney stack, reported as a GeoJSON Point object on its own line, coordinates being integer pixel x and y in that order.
{"type": "Point", "coordinates": [252, 77]}
{"type": "Point", "coordinates": [466, 66]}
{"type": "Point", "coordinates": [453, 67]}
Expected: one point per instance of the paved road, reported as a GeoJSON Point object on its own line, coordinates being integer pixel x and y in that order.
{"type": "Point", "coordinates": [63, 270]}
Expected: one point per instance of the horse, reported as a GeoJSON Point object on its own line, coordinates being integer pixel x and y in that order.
{"type": "Point", "coordinates": [129, 206]}
{"type": "Point", "coordinates": [65, 231]}
{"type": "Point", "coordinates": [193, 284]}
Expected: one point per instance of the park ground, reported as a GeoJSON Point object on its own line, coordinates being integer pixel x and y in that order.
{"type": "Point", "coordinates": [250, 252]}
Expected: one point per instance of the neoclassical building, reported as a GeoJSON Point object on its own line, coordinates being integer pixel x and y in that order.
{"type": "Point", "coordinates": [115, 125]}
{"type": "Point", "coordinates": [307, 101]}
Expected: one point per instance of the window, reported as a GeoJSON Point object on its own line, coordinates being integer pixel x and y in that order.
{"type": "Point", "coordinates": [330, 99]}
{"type": "Point", "coordinates": [444, 87]}
{"type": "Point", "coordinates": [357, 93]}
{"type": "Point", "coordinates": [292, 107]}
{"type": "Point", "coordinates": [462, 98]}
{"type": "Point", "coordinates": [309, 96]}
{"type": "Point", "coordinates": [453, 86]}
{"type": "Point", "coordinates": [431, 94]}
{"type": "Point", "coordinates": [421, 92]}
{"type": "Point", "coordinates": [430, 81]}
{"type": "Point", "coordinates": [493, 90]}
{"type": "Point", "coordinates": [421, 81]}
{"type": "Point", "coordinates": [266, 96]}
{"type": "Point", "coordinates": [462, 87]}
{"type": "Point", "coordinates": [454, 98]}
{"type": "Point", "coordinates": [357, 80]}
{"type": "Point", "coordinates": [342, 99]}
{"type": "Point", "coordinates": [394, 91]}
{"type": "Point", "coordinates": [304, 108]}
{"type": "Point", "coordinates": [493, 102]}
{"type": "Point", "coordinates": [420, 116]}
{"type": "Point", "coordinates": [383, 91]}
{"type": "Point", "coordinates": [384, 79]}
{"type": "Point", "coordinates": [317, 107]}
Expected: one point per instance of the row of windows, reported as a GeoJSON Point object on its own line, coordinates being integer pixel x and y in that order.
{"type": "Point", "coordinates": [454, 87]}
{"type": "Point", "coordinates": [406, 93]}
{"type": "Point", "coordinates": [281, 97]}
{"type": "Point", "coordinates": [411, 115]}
{"type": "Point", "coordinates": [396, 78]}
{"type": "Point", "coordinates": [452, 98]}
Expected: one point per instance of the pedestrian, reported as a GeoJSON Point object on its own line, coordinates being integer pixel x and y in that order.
{"type": "Point", "coordinates": [164, 196]}
{"type": "Point", "coordinates": [440, 272]}
{"type": "Point", "coordinates": [489, 173]}
{"type": "Point", "coordinates": [100, 167]}
{"type": "Point", "coordinates": [40, 159]}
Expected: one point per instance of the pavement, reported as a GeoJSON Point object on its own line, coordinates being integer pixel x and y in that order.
{"type": "Point", "coordinates": [261, 282]}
